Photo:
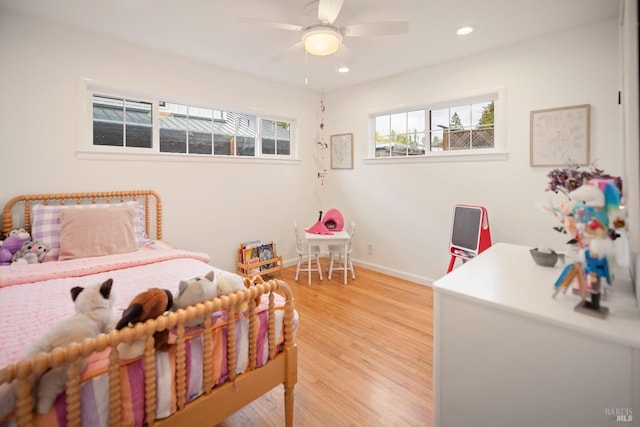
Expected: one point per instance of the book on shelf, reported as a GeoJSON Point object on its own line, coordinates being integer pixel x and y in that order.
{"type": "Point", "coordinates": [249, 255]}
{"type": "Point", "coordinates": [266, 252]}
{"type": "Point", "coordinates": [251, 243]}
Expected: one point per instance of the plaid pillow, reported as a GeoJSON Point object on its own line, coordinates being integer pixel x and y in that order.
{"type": "Point", "coordinates": [45, 224]}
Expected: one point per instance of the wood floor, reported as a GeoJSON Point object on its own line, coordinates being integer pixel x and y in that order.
{"type": "Point", "coordinates": [365, 355]}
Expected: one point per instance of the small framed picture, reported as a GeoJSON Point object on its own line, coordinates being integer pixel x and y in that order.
{"type": "Point", "coordinates": [342, 151]}
{"type": "Point", "coordinates": [560, 136]}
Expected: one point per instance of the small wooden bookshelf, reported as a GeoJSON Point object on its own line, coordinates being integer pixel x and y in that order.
{"type": "Point", "coordinates": [253, 265]}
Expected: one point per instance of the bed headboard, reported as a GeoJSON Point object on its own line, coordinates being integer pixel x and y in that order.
{"type": "Point", "coordinates": [17, 211]}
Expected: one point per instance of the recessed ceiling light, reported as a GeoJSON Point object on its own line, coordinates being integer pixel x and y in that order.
{"type": "Point", "coordinates": [463, 31]}
{"type": "Point", "coordinates": [342, 69]}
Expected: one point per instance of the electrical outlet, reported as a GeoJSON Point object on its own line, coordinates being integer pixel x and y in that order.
{"type": "Point", "coordinates": [369, 249]}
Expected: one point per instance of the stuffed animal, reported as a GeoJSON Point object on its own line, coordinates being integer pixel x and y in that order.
{"type": "Point", "coordinates": [256, 280]}
{"type": "Point", "coordinates": [12, 244]}
{"type": "Point", "coordinates": [93, 316]}
{"type": "Point", "coordinates": [146, 305]}
{"type": "Point", "coordinates": [193, 291]}
{"type": "Point", "coordinates": [30, 253]}
{"type": "Point", "coordinates": [229, 283]}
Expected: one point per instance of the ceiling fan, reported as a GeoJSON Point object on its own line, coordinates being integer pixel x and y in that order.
{"type": "Point", "coordinates": [322, 37]}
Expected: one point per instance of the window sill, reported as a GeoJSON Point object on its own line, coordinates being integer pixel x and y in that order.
{"type": "Point", "coordinates": [177, 157]}
{"type": "Point", "coordinates": [439, 158]}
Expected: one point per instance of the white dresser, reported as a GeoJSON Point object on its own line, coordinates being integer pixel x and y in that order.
{"type": "Point", "coordinates": [507, 354]}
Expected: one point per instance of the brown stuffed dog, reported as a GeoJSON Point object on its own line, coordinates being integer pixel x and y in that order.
{"type": "Point", "coordinates": [252, 281]}
{"type": "Point", "coordinates": [149, 305]}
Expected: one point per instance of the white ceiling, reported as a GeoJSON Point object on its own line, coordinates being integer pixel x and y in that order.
{"type": "Point", "coordinates": [211, 31]}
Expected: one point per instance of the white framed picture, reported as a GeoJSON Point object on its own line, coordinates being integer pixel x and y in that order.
{"type": "Point", "coordinates": [342, 151]}
{"type": "Point", "coordinates": [560, 136]}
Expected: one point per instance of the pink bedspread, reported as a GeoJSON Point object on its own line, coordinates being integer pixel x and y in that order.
{"type": "Point", "coordinates": [34, 297]}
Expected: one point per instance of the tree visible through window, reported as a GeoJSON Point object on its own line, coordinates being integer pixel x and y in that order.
{"type": "Point", "coordinates": [468, 126]}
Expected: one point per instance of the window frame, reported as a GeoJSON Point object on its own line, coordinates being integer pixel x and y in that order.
{"type": "Point", "coordinates": [89, 150]}
{"type": "Point", "coordinates": [260, 138]}
{"type": "Point", "coordinates": [125, 122]}
{"type": "Point", "coordinates": [497, 152]}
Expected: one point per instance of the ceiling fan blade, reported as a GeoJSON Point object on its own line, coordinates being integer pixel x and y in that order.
{"type": "Point", "coordinates": [376, 29]}
{"type": "Point", "coordinates": [344, 55]}
{"type": "Point", "coordinates": [271, 24]}
{"type": "Point", "coordinates": [287, 51]}
{"type": "Point", "coordinates": [328, 10]}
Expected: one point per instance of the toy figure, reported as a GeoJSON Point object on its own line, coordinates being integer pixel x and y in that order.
{"type": "Point", "coordinates": [598, 199]}
{"type": "Point", "coordinates": [596, 263]}
{"type": "Point", "coordinates": [591, 219]}
{"type": "Point", "coordinates": [596, 268]}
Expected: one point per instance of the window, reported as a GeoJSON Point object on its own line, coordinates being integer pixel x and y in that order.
{"type": "Point", "coordinates": [276, 137]}
{"type": "Point", "coordinates": [160, 126]}
{"type": "Point", "coordinates": [400, 134]}
{"type": "Point", "coordinates": [121, 122]}
{"type": "Point", "coordinates": [461, 126]}
{"type": "Point", "coordinates": [185, 129]}
{"type": "Point", "coordinates": [236, 135]}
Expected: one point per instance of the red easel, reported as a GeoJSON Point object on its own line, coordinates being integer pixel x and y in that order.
{"type": "Point", "coordinates": [470, 233]}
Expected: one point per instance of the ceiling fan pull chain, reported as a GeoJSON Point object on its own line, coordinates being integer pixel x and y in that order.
{"type": "Point", "coordinates": [306, 68]}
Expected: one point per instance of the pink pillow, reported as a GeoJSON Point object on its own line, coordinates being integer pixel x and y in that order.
{"type": "Point", "coordinates": [96, 232]}
{"type": "Point", "coordinates": [45, 223]}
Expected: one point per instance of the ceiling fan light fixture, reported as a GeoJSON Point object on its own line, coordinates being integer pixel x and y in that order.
{"type": "Point", "coordinates": [321, 41]}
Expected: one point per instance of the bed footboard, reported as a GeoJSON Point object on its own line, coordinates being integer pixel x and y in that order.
{"type": "Point", "coordinates": [217, 401]}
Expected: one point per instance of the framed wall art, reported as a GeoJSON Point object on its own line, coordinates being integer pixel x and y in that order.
{"type": "Point", "coordinates": [560, 136]}
{"type": "Point", "coordinates": [342, 151]}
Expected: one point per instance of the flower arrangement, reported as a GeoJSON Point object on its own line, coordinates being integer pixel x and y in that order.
{"type": "Point", "coordinates": [572, 177]}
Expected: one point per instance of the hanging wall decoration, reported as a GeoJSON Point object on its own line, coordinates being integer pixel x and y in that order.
{"type": "Point", "coordinates": [321, 147]}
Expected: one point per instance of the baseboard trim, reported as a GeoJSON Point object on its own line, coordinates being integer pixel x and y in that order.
{"type": "Point", "coordinates": [381, 269]}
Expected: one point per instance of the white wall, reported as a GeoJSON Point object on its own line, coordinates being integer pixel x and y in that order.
{"type": "Point", "coordinates": [631, 127]}
{"type": "Point", "coordinates": [404, 210]}
{"type": "Point", "coordinates": [208, 206]}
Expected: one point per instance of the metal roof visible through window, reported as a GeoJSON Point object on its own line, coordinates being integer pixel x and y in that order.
{"type": "Point", "coordinates": [246, 126]}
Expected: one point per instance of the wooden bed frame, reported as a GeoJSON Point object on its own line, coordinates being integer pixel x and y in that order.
{"type": "Point", "coordinates": [19, 208]}
{"type": "Point", "coordinates": [217, 403]}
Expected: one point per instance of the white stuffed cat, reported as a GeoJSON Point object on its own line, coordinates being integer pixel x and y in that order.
{"type": "Point", "coordinates": [229, 283]}
{"type": "Point", "coordinates": [193, 291]}
{"type": "Point", "coordinates": [93, 307]}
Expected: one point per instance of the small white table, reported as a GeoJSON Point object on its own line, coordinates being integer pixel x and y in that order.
{"type": "Point", "coordinates": [337, 238]}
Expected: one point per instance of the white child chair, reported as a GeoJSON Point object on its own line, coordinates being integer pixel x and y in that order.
{"type": "Point", "coordinates": [336, 253]}
{"type": "Point", "coordinates": [303, 256]}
